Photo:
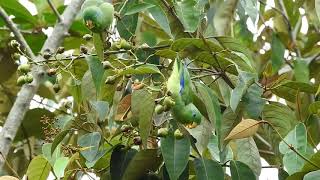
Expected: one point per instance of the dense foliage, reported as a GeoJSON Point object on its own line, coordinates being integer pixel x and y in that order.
{"type": "Point", "coordinates": [167, 89]}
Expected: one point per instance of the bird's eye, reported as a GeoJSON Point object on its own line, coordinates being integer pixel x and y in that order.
{"type": "Point", "coordinates": [194, 115]}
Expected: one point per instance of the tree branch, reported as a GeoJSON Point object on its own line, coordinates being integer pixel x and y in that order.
{"type": "Point", "coordinates": [16, 32]}
{"type": "Point", "coordinates": [27, 92]}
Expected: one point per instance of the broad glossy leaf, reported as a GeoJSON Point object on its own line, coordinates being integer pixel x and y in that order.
{"type": "Point", "coordinates": [101, 108]}
{"type": "Point", "coordinates": [253, 101]}
{"type": "Point", "coordinates": [38, 169]}
{"type": "Point", "coordinates": [240, 171]}
{"type": "Point", "coordinates": [317, 7]}
{"type": "Point", "coordinates": [59, 166]}
{"type": "Point", "coordinates": [246, 128]}
{"type": "Point", "coordinates": [301, 71]}
{"type": "Point", "coordinates": [21, 13]}
{"type": "Point", "coordinates": [51, 157]}
{"type": "Point", "coordinates": [31, 123]}
{"type": "Point", "coordinates": [160, 16]}
{"type": "Point", "coordinates": [97, 71]}
{"type": "Point", "coordinates": [211, 102]}
{"type": "Point", "coordinates": [127, 25]}
{"type": "Point", "coordinates": [224, 16]}
{"type": "Point", "coordinates": [246, 151]}
{"type": "Point", "coordinates": [312, 175]}
{"type": "Point", "coordinates": [142, 6]}
{"type": "Point", "coordinates": [315, 158]}
{"type": "Point", "coordinates": [58, 139]}
{"type": "Point", "coordinates": [277, 56]}
{"type": "Point", "coordinates": [244, 82]}
{"type": "Point", "coordinates": [144, 69]}
{"type": "Point", "coordinates": [143, 162]}
{"type": "Point", "coordinates": [298, 139]}
{"type": "Point", "coordinates": [142, 106]}
{"type": "Point", "coordinates": [202, 134]}
{"type": "Point", "coordinates": [120, 159]}
{"type": "Point", "coordinates": [98, 45]}
{"type": "Point", "coordinates": [90, 145]}
{"type": "Point", "coordinates": [207, 169]}
{"type": "Point", "coordinates": [175, 154]}
{"type": "Point", "coordinates": [189, 13]}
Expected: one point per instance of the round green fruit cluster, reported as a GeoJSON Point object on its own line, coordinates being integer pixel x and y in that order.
{"type": "Point", "coordinates": [97, 15]}
{"type": "Point", "coordinates": [26, 76]}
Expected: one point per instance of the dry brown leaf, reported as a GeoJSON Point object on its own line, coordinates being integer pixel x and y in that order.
{"type": "Point", "coordinates": [8, 178]}
{"type": "Point", "coordinates": [123, 108]}
{"type": "Point", "coordinates": [246, 128]}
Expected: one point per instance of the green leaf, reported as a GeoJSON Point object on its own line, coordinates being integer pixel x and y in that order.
{"type": "Point", "coordinates": [175, 154]}
{"type": "Point", "coordinates": [202, 134]}
{"type": "Point", "coordinates": [315, 158]}
{"type": "Point", "coordinates": [138, 8]}
{"type": "Point", "coordinates": [51, 157]}
{"type": "Point", "coordinates": [160, 16]}
{"type": "Point", "coordinates": [21, 14]}
{"type": "Point", "coordinates": [97, 71]}
{"type": "Point", "coordinates": [208, 169]}
{"type": "Point", "coordinates": [31, 123]}
{"type": "Point", "coordinates": [246, 151]}
{"type": "Point", "coordinates": [301, 71]}
{"type": "Point", "coordinates": [166, 53]}
{"type": "Point", "coordinates": [277, 56]}
{"type": "Point", "coordinates": [127, 25]}
{"type": "Point", "coordinates": [253, 102]}
{"type": "Point", "coordinates": [282, 174]}
{"type": "Point", "coordinates": [189, 13]}
{"type": "Point", "coordinates": [38, 169]}
{"type": "Point", "coordinates": [223, 17]}
{"type": "Point", "coordinates": [59, 166]}
{"type": "Point", "coordinates": [314, 107]}
{"type": "Point", "coordinates": [142, 106]}
{"type": "Point", "coordinates": [240, 171]}
{"type": "Point", "coordinates": [245, 80]}
{"type": "Point", "coordinates": [250, 6]}
{"type": "Point", "coordinates": [298, 139]}
{"type": "Point", "coordinates": [143, 162]}
{"type": "Point", "coordinates": [289, 89]}
{"type": "Point", "coordinates": [211, 102]}
{"type": "Point", "coordinates": [90, 143]}
{"type": "Point", "coordinates": [120, 159]}
{"type": "Point", "coordinates": [58, 139]}
{"type": "Point", "coordinates": [143, 69]}
{"type": "Point", "coordinates": [216, 152]}
{"type": "Point", "coordinates": [101, 108]}
{"type": "Point", "coordinates": [312, 175]}
{"type": "Point", "coordinates": [98, 45]}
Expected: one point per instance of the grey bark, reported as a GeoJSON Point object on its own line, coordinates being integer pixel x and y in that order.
{"type": "Point", "coordinates": [21, 105]}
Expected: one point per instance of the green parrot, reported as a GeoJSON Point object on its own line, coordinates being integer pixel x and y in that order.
{"type": "Point", "coordinates": [179, 85]}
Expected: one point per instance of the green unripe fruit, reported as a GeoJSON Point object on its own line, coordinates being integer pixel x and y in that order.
{"type": "Point", "coordinates": [56, 88]}
{"type": "Point", "coordinates": [107, 65]}
{"type": "Point", "coordinates": [24, 68]}
{"type": "Point", "coordinates": [159, 109]}
{"type": "Point", "coordinates": [168, 102]}
{"type": "Point", "coordinates": [178, 134]}
{"type": "Point", "coordinates": [21, 80]}
{"type": "Point", "coordinates": [28, 78]}
{"type": "Point", "coordinates": [16, 56]}
{"type": "Point", "coordinates": [163, 132]}
{"type": "Point", "coordinates": [87, 37]}
{"type": "Point", "coordinates": [14, 44]}
{"type": "Point", "coordinates": [125, 44]}
{"type": "Point", "coordinates": [111, 79]}
{"type": "Point", "coordinates": [115, 46]}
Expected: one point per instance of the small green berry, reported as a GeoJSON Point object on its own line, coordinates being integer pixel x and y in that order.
{"type": "Point", "coordinates": [178, 134]}
{"type": "Point", "coordinates": [163, 132]}
{"type": "Point", "coordinates": [24, 68]}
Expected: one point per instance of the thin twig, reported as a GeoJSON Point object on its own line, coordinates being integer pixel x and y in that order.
{"type": "Point", "coordinates": [18, 36]}
{"type": "Point", "coordinates": [55, 11]}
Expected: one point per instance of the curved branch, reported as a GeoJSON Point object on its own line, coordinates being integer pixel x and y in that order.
{"type": "Point", "coordinates": [27, 92]}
